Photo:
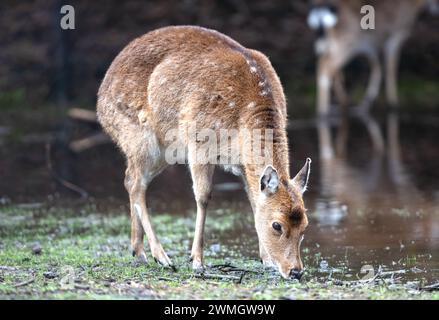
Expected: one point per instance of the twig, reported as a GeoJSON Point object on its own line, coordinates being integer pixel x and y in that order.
{"type": "Point", "coordinates": [65, 183]}
{"type": "Point", "coordinates": [217, 276]}
{"type": "Point", "coordinates": [222, 265]}
{"type": "Point", "coordinates": [81, 286]}
{"type": "Point", "coordinates": [432, 287]}
{"type": "Point", "coordinates": [391, 273]}
{"type": "Point", "coordinates": [241, 278]}
{"type": "Point", "coordinates": [82, 114]}
{"type": "Point", "coordinates": [230, 268]}
{"type": "Point", "coordinates": [89, 142]}
{"type": "Point", "coordinates": [166, 279]}
{"type": "Point", "coordinates": [24, 283]}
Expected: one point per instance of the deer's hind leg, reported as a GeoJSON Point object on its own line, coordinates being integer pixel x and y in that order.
{"type": "Point", "coordinates": [374, 83]}
{"type": "Point", "coordinates": [392, 51]}
{"type": "Point", "coordinates": [137, 232]}
{"type": "Point", "coordinates": [142, 168]}
{"type": "Point", "coordinates": [202, 185]}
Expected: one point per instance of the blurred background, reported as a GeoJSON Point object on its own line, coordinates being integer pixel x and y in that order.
{"type": "Point", "coordinates": [46, 72]}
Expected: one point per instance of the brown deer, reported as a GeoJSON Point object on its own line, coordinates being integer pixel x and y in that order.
{"type": "Point", "coordinates": [184, 75]}
{"type": "Point", "coordinates": [341, 38]}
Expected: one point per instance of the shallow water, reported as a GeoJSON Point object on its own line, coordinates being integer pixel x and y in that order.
{"type": "Point", "coordinates": [369, 212]}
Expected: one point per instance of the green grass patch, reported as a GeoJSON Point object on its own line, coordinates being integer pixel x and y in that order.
{"type": "Point", "coordinates": [55, 253]}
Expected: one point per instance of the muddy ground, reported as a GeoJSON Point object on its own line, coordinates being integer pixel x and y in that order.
{"type": "Point", "coordinates": [81, 253]}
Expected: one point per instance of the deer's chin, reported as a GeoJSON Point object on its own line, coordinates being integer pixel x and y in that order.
{"type": "Point", "coordinates": [285, 275]}
{"type": "Point", "coordinates": [268, 263]}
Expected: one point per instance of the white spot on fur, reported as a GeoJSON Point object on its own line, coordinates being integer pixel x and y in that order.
{"type": "Point", "coordinates": [251, 105]}
{"type": "Point", "coordinates": [253, 69]}
{"type": "Point", "coordinates": [232, 104]}
{"type": "Point", "coordinates": [261, 83]}
{"type": "Point", "coordinates": [142, 116]}
{"type": "Point", "coordinates": [162, 80]}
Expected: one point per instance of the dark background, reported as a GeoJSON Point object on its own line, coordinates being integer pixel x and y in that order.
{"type": "Point", "coordinates": [45, 70]}
{"type": "Point", "coordinates": [38, 59]}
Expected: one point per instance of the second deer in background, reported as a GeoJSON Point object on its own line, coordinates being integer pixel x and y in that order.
{"type": "Point", "coordinates": [341, 38]}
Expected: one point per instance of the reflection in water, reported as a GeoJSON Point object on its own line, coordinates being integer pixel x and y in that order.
{"type": "Point", "coordinates": [344, 185]}
{"type": "Point", "coordinates": [374, 213]}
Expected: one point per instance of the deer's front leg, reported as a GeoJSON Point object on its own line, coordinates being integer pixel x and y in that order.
{"type": "Point", "coordinates": [202, 184]}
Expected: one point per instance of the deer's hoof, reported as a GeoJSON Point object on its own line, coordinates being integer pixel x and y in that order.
{"type": "Point", "coordinates": [141, 256]}
{"type": "Point", "coordinates": [197, 265]}
{"type": "Point", "coordinates": [162, 259]}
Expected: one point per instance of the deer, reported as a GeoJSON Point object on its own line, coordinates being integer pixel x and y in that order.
{"type": "Point", "coordinates": [340, 38]}
{"type": "Point", "coordinates": [180, 75]}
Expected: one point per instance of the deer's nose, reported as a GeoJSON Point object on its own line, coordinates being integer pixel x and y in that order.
{"type": "Point", "coordinates": [296, 274]}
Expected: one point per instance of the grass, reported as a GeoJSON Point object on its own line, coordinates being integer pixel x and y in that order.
{"type": "Point", "coordinates": [52, 253]}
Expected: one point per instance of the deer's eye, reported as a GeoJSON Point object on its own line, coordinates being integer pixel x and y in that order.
{"type": "Point", "coordinates": [276, 226]}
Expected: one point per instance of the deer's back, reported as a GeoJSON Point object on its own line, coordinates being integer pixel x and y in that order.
{"type": "Point", "coordinates": [178, 75]}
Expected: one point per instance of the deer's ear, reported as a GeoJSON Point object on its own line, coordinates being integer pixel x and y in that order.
{"type": "Point", "coordinates": [269, 181]}
{"type": "Point", "coordinates": [301, 179]}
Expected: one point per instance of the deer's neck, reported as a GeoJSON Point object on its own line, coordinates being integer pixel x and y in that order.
{"type": "Point", "coordinates": [277, 157]}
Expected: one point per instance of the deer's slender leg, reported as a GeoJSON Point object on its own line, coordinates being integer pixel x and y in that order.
{"type": "Point", "coordinates": [391, 54]}
{"type": "Point", "coordinates": [343, 100]}
{"type": "Point", "coordinates": [137, 232]}
{"type": "Point", "coordinates": [202, 185]}
{"type": "Point", "coordinates": [140, 175]}
{"type": "Point", "coordinates": [340, 90]}
{"type": "Point", "coordinates": [374, 84]}
{"type": "Point", "coordinates": [374, 131]}
{"type": "Point", "coordinates": [324, 82]}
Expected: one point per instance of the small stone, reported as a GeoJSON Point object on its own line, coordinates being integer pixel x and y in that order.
{"type": "Point", "coordinates": [50, 275]}
{"type": "Point", "coordinates": [37, 249]}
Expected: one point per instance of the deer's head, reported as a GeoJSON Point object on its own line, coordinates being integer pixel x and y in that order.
{"type": "Point", "coordinates": [281, 220]}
